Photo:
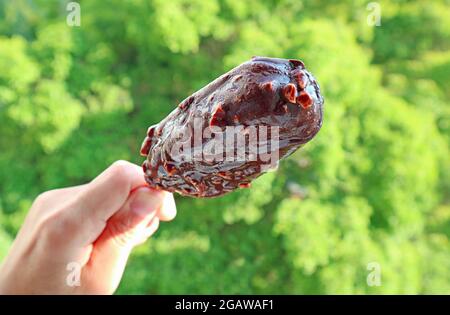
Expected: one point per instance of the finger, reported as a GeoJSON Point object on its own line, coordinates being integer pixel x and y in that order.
{"type": "Point", "coordinates": [99, 200]}
{"type": "Point", "coordinates": [108, 192]}
{"type": "Point", "coordinates": [123, 231]}
{"type": "Point", "coordinates": [152, 227]}
{"type": "Point", "coordinates": [168, 210]}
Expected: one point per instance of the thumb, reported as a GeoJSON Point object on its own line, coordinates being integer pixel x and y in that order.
{"type": "Point", "coordinates": [138, 218]}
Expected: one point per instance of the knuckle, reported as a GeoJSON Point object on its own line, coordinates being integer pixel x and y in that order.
{"type": "Point", "coordinates": [121, 165]}
{"type": "Point", "coordinates": [119, 171]}
{"type": "Point", "coordinates": [42, 198]}
{"type": "Point", "coordinates": [55, 227]}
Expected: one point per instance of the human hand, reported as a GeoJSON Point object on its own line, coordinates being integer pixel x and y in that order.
{"type": "Point", "coordinates": [90, 229]}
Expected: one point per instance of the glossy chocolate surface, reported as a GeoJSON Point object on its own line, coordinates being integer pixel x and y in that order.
{"type": "Point", "coordinates": [269, 92]}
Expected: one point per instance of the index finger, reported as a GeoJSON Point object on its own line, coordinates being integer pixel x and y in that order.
{"type": "Point", "coordinates": [106, 194]}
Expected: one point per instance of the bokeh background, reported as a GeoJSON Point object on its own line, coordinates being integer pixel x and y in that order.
{"type": "Point", "coordinates": [373, 186]}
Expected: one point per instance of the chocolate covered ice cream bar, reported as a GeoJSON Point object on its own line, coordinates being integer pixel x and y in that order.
{"type": "Point", "coordinates": [234, 129]}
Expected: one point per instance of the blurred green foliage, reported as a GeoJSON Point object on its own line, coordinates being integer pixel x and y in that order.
{"type": "Point", "coordinates": [372, 187]}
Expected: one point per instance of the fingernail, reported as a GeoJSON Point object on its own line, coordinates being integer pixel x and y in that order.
{"type": "Point", "coordinates": [169, 210]}
{"type": "Point", "coordinates": [146, 201]}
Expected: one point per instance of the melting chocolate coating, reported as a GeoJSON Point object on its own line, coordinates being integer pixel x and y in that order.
{"type": "Point", "coordinates": [264, 91]}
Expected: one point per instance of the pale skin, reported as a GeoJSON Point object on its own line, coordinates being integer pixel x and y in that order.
{"type": "Point", "coordinates": [93, 226]}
